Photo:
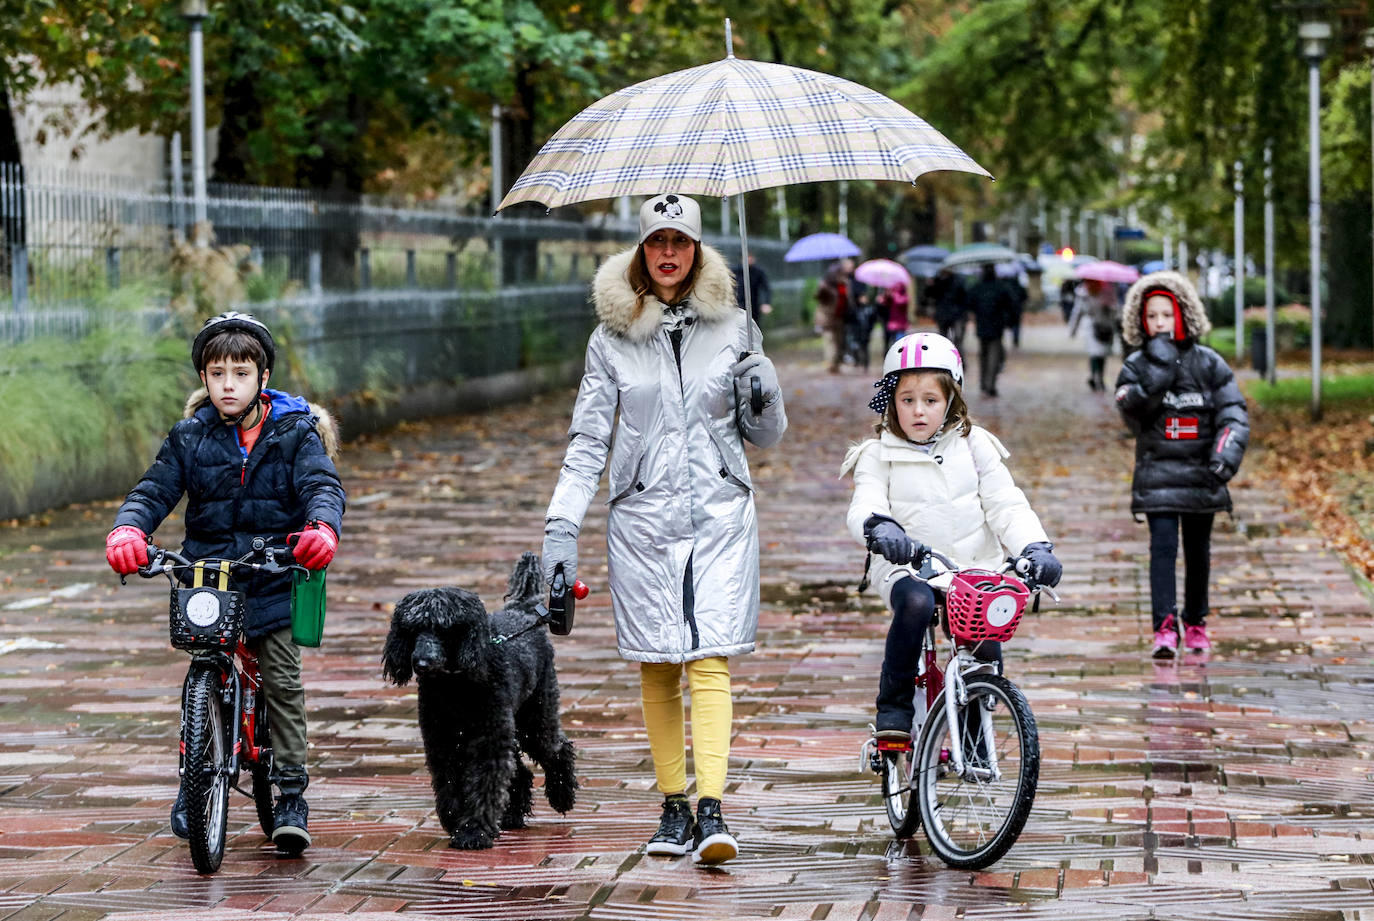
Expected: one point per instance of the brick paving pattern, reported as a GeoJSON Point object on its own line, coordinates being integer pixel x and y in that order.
{"type": "Point", "coordinates": [1234, 787]}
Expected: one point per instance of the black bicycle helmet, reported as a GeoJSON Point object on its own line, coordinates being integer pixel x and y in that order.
{"type": "Point", "coordinates": [225, 322]}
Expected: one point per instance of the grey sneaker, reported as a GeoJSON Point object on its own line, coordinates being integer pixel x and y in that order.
{"type": "Point", "coordinates": [675, 829]}
{"type": "Point", "coordinates": [289, 824]}
{"type": "Point", "coordinates": [713, 843]}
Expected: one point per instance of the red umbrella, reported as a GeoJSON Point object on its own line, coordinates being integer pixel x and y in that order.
{"type": "Point", "coordinates": [1106, 270]}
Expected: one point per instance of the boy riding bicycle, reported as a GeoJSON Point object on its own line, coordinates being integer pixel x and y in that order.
{"type": "Point", "coordinates": [933, 477]}
{"type": "Point", "coordinates": [253, 463]}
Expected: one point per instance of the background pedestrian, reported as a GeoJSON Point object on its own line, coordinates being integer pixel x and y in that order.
{"type": "Point", "coordinates": [835, 303]}
{"type": "Point", "coordinates": [1096, 321]}
{"type": "Point", "coordinates": [946, 292]}
{"type": "Point", "coordinates": [991, 304]}
{"type": "Point", "coordinates": [895, 308]}
{"type": "Point", "coordinates": [760, 290]}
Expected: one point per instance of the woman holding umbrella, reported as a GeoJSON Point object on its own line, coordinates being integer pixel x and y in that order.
{"type": "Point", "coordinates": [666, 395]}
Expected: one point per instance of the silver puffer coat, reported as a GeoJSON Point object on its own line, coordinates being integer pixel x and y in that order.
{"type": "Point", "coordinates": [681, 535]}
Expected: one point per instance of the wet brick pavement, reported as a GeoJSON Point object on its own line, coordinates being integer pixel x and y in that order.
{"type": "Point", "coordinates": [1239, 787]}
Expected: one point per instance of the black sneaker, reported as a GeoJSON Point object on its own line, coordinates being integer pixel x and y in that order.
{"type": "Point", "coordinates": [180, 826]}
{"type": "Point", "coordinates": [713, 843]}
{"type": "Point", "coordinates": [675, 829]}
{"type": "Point", "coordinates": [289, 824]}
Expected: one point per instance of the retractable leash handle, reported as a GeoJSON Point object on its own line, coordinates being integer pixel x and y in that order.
{"type": "Point", "coordinates": [563, 602]}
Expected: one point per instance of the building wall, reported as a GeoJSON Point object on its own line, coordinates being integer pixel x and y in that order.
{"type": "Point", "coordinates": [44, 142]}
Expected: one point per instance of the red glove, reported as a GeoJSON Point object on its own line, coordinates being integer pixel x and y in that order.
{"type": "Point", "coordinates": [126, 549]}
{"type": "Point", "coordinates": [314, 546]}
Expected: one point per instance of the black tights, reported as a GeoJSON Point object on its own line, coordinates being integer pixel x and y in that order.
{"type": "Point", "coordinates": [1197, 552]}
{"type": "Point", "coordinates": [913, 604]}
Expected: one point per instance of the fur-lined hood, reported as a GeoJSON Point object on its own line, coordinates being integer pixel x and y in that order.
{"type": "Point", "coordinates": [282, 403]}
{"type": "Point", "coordinates": [1195, 322]}
{"type": "Point", "coordinates": [713, 297]}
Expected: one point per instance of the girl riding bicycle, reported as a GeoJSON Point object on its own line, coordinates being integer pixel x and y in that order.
{"type": "Point", "coordinates": [931, 477]}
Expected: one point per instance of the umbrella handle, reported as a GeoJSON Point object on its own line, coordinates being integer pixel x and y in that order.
{"type": "Point", "coordinates": [756, 395]}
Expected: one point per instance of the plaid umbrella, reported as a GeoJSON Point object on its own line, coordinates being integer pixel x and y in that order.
{"type": "Point", "coordinates": [728, 128]}
{"type": "Point", "coordinates": [731, 127]}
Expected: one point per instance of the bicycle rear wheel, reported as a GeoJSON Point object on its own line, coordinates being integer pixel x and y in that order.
{"type": "Point", "coordinates": [206, 781]}
{"type": "Point", "coordinates": [972, 819]}
{"type": "Point", "coordinates": [898, 793]}
{"type": "Point", "coordinates": [262, 772]}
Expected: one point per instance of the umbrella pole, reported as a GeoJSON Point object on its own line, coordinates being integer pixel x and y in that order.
{"type": "Point", "coordinates": [744, 266]}
{"type": "Point", "coordinates": [755, 385]}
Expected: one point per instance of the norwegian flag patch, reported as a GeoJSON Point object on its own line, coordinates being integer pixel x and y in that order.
{"type": "Point", "coordinates": [1180, 427]}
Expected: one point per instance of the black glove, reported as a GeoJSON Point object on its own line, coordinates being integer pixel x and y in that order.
{"type": "Point", "coordinates": [1045, 568]}
{"type": "Point", "coordinates": [1160, 364]}
{"type": "Point", "coordinates": [886, 538]}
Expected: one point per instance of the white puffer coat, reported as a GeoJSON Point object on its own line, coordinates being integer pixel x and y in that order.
{"type": "Point", "coordinates": [680, 489]}
{"type": "Point", "coordinates": [958, 499]}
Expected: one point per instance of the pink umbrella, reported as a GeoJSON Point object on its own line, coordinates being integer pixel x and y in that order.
{"type": "Point", "coordinates": [1106, 270]}
{"type": "Point", "coordinates": [883, 273]}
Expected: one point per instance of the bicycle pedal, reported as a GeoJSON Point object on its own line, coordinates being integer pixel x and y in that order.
{"type": "Point", "coordinates": [868, 757]}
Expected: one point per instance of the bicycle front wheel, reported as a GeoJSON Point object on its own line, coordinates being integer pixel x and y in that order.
{"type": "Point", "coordinates": [973, 818]}
{"type": "Point", "coordinates": [206, 779]}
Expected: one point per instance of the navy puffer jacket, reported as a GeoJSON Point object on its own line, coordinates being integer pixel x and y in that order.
{"type": "Point", "coordinates": [286, 481]}
{"type": "Point", "coordinates": [1191, 426]}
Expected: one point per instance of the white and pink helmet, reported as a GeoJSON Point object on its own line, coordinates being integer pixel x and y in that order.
{"type": "Point", "coordinates": [916, 352]}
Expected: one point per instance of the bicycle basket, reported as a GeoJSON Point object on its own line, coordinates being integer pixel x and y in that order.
{"type": "Point", "coordinates": [206, 618]}
{"type": "Point", "coordinates": [983, 605]}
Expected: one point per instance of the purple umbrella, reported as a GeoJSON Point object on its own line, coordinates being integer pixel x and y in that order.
{"type": "Point", "coordinates": [821, 246]}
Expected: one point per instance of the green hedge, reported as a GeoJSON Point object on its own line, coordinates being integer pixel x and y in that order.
{"type": "Point", "coordinates": [67, 407]}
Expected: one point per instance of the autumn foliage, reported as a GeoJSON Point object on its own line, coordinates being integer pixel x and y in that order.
{"type": "Point", "coordinates": [1326, 469]}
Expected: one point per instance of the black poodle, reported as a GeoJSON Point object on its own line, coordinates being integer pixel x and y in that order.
{"type": "Point", "coordinates": [488, 689]}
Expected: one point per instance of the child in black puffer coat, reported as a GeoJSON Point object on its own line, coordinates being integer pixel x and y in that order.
{"type": "Point", "coordinates": [1181, 401]}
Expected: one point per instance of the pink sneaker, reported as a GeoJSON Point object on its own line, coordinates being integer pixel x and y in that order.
{"type": "Point", "coordinates": [1166, 639]}
{"type": "Point", "coordinates": [1195, 638]}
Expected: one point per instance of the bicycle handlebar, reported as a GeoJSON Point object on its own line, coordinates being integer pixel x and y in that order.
{"type": "Point", "coordinates": [1018, 564]}
{"type": "Point", "coordinates": [263, 557]}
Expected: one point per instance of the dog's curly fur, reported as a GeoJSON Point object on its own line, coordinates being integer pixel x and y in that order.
{"type": "Point", "coordinates": [481, 703]}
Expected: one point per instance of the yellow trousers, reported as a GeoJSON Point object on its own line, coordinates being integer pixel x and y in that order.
{"type": "Point", "coordinates": [660, 690]}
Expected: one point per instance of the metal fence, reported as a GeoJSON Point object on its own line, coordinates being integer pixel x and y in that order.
{"type": "Point", "coordinates": [79, 240]}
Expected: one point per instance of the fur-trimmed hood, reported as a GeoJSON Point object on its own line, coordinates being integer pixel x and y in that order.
{"type": "Point", "coordinates": [1195, 322]}
{"type": "Point", "coordinates": [713, 297]}
{"type": "Point", "coordinates": [282, 403]}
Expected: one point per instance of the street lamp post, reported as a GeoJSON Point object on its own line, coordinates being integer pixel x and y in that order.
{"type": "Point", "coordinates": [1238, 272]}
{"type": "Point", "coordinates": [195, 12]}
{"type": "Point", "coordinates": [1314, 35]}
{"type": "Point", "coordinates": [1269, 347]}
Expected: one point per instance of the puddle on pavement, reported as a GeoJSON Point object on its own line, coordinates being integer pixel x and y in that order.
{"type": "Point", "coordinates": [801, 597]}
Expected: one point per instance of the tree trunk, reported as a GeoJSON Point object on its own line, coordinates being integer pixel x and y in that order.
{"type": "Point", "coordinates": [1347, 315]}
{"type": "Point", "coordinates": [519, 257]}
{"type": "Point", "coordinates": [12, 227]}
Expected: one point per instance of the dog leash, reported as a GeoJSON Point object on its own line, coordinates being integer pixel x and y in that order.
{"type": "Point", "coordinates": [542, 618]}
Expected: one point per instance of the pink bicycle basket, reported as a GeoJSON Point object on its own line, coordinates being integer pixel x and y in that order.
{"type": "Point", "coordinates": [983, 605]}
